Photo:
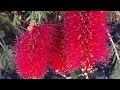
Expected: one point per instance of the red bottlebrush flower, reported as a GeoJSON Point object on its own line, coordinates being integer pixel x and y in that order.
{"type": "Point", "coordinates": [80, 42]}
{"type": "Point", "coordinates": [32, 51]}
{"type": "Point", "coordinates": [97, 36]}
{"type": "Point", "coordinates": [62, 37]}
{"type": "Point", "coordinates": [86, 39]}
{"type": "Point", "coordinates": [57, 55]}
{"type": "Point", "coordinates": [73, 46]}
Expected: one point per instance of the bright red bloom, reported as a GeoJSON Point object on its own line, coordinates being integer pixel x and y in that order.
{"type": "Point", "coordinates": [73, 45]}
{"type": "Point", "coordinates": [57, 47]}
{"type": "Point", "coordinates": [80, 42]}
{"type": "Point", "coordinates": [32, 51]}
{"type": "Point", "coordinates": [86, 39]}
{"type": "Point", "coordinates": [65, 44]}
{"type": "Point", "coordinates": [97, 36]}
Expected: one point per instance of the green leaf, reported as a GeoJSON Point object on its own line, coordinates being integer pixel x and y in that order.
{"type": "Point", "coordinates": [16, 21]}
{"type": "Point", "coordinates": [76, 74]}
{"type": "Point", "coordinates": [36, 16]}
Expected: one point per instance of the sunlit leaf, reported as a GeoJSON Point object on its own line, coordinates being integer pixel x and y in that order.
{"type": "Point", "coordinates": [16, 21]}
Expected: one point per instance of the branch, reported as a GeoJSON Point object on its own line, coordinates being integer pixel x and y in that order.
{"type": "Point", "coordinates": [114, 47]}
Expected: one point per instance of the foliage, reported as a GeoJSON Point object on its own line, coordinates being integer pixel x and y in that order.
{"type": "Point", "coordinates": [38, 16]}
{"type": "Point", "coordinates": [16, 21]}
{"type": "Point", "coordinates": [115, 46]}
{"type": "Point", "coordinates": [6, 58]}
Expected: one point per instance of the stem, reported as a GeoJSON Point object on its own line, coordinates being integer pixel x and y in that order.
{"type": "Point", "coordinates": [118, 42]}
{"type": "Point", "coordinates": [1, 66]}
{"type": "Point", "coordinates": [2, 46]}
{"type": "Point", "coordinates": [11, 24]}
{"type": "Point", "coordinates": [14, 26]}
{"type": "Point", "coordinates": [22, 27]}
{"type": "Point", "coordinates": [116, 53]}
{"type": "Point", "coordinates": [3, 41]}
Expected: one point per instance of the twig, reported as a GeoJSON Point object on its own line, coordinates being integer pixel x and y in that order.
{"type": "Point", "coordinates": [3, 41]}
{"type": "Point", "coordinates": [2, 46]}
{"type": "Point", "coordinates": [1, 66]}
{"type": "Point", "coordinates": [116, 53]}
{"type": "Point", "coordinates": [118, 42]}
{"type": "Point", "coordinates": [22, 27]}
{"type": "Point", "coordinates": [12, 24]}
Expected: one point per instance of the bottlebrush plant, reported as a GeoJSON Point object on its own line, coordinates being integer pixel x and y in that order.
{"type": "Point", "coordinates": [79, 42]}
{"type": "Point", "coordinates": [57, 47]}
{"type": "Point", "coordinates": [32, 51]}
{"type": "Point", "coordinates": [86, 43]}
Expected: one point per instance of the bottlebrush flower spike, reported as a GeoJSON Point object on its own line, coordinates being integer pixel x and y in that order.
{"type": "Point", "coordinates": [62, 37]}
{"type": "Point", "coordinates": [86, 39]}
{"type": "Point", "coordinates": [32, 51]}
{"type": "Point", "coordinates": [72, 45]}
{"type": "Point", "coordinates": [57, 54]}
{"type": "Point", "coordinates": [98, 43]}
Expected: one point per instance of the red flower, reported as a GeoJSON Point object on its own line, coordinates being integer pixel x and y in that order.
{"type": "Point", "coordinates": [32, 51]}
{"type": "Point", "coordinates": [96, 39]}
{"type": "Point", "coordinates": [86, 39]}
{"type": "Point", "coordinates": [57, 55]}
{"type": "Point", "coordinates": [65, 47]}
{"type": "Point", "coordinates": [73, 45]}
{"type": "Point", "coordinates": [81, 41]}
